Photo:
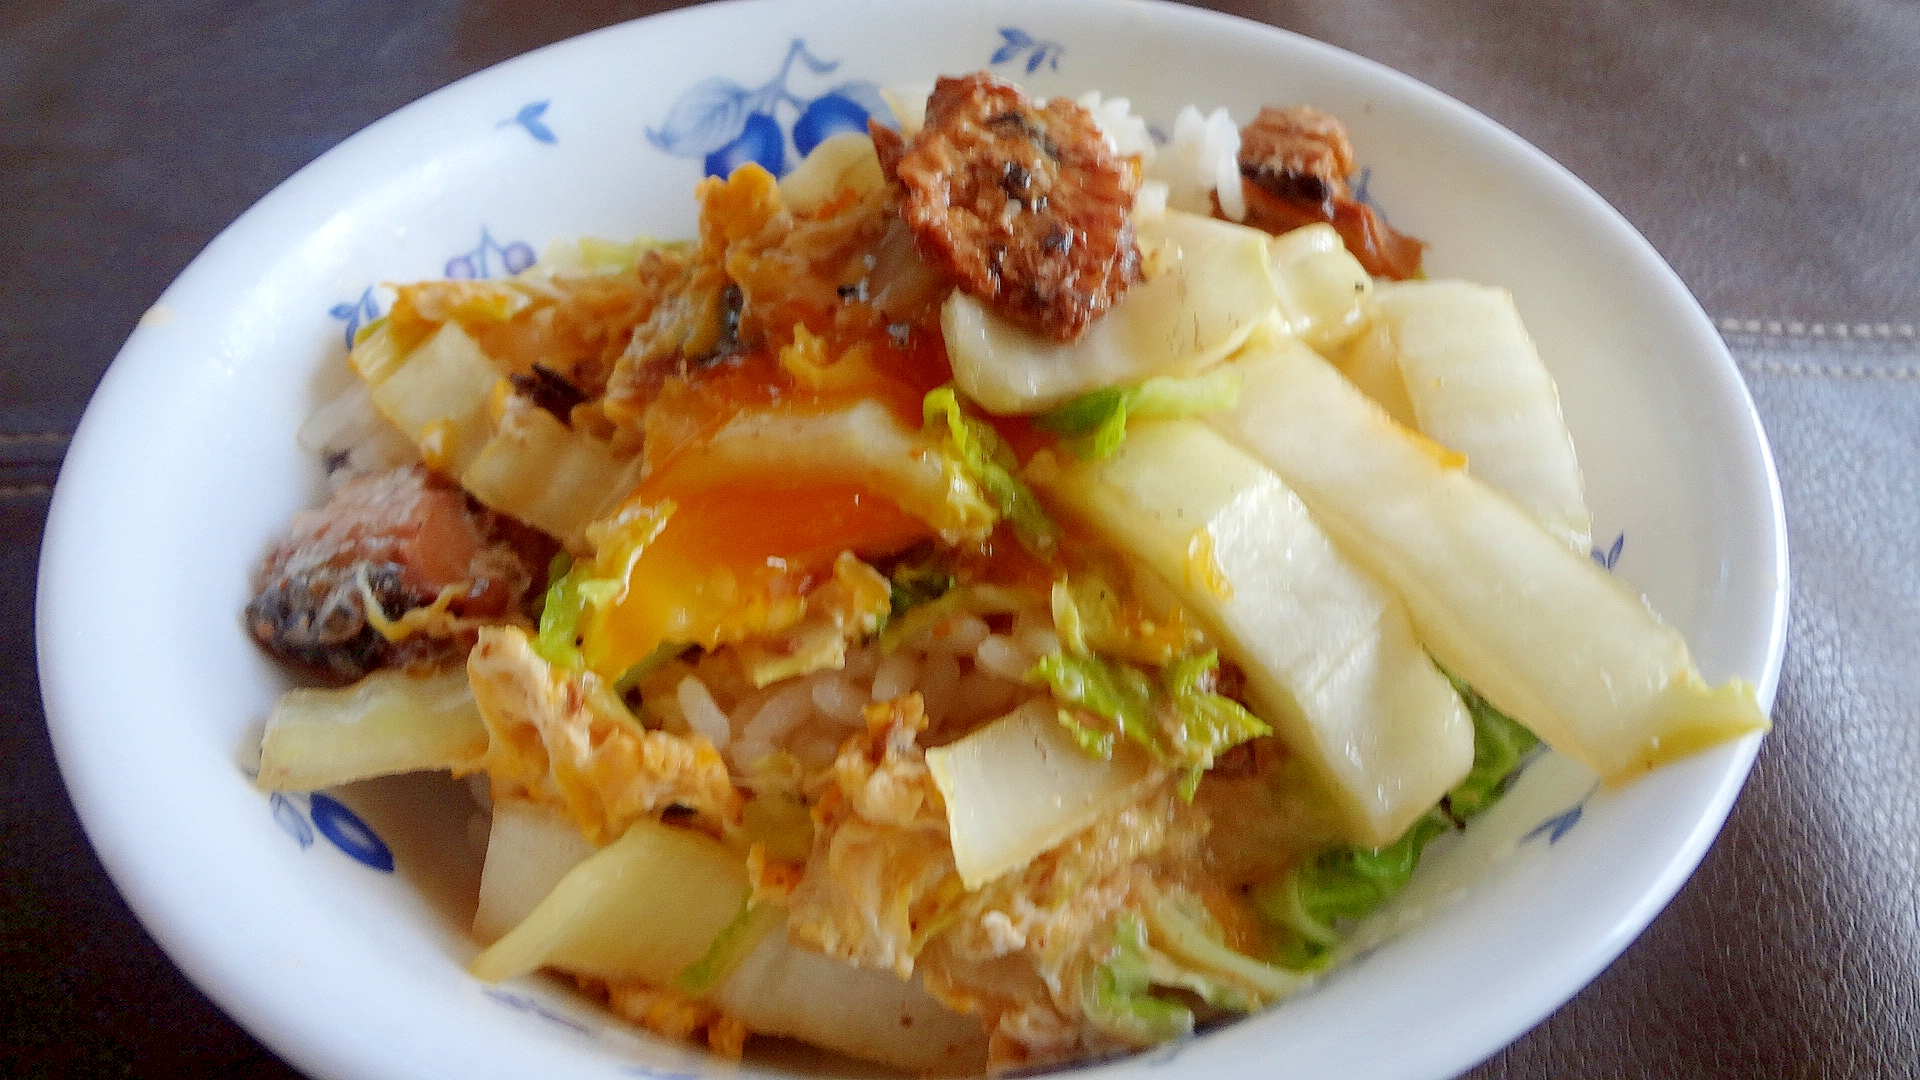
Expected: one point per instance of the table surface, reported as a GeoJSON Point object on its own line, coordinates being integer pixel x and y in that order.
{"type": "Point", "coordinates": [1768, 151]}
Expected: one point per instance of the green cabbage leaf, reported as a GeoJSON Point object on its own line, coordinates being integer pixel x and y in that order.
{"type": "Point", "coordinates": [1096, 423]}
{"type": "Point", "coordinates": [988, 461]}
{"type": "Point", "coordinates": [1176, 718]}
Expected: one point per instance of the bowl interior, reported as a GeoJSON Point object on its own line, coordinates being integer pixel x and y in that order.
{"type": "Point", "coordinates": [185, 467]}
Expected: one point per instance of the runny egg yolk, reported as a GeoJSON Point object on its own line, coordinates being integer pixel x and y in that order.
{"type": "Point", "coordinates": [737, 561]}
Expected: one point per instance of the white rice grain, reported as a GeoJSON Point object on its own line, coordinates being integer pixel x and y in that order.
{"type": "Point", "coordinates": [961, 634]}
{"type": "Point", "coordinates": [780, 715]}
{"type": "Point", "coordinates": [999, 655]}
{"type": "Point", "coordinates": [895, 676]}
{"type": "Point", "coordinates": [1125, 133]}
{"type": "Point", "coordinates": [837, 699]}
{"type": "Point", "coordinates": [939, 684]}
{"type": "Point", "coordinates": [1202, 160]}
{"type": "Point", "coordinates": [702, 715]}
{"type": "Point", "coordinates": [1151, 200]}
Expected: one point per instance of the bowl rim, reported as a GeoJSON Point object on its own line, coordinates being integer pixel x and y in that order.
{"type": "Point", "coordinates": [304, 1040]}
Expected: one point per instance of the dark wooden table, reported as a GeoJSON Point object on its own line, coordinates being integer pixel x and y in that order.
{"type": "Point", "coordinates": [1771, 152]}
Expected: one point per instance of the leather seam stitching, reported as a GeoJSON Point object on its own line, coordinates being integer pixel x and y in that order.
{"type": "Point", "coordinates": [1831, 371]}
{"type": "Point", "coordinates": [1839, 331]}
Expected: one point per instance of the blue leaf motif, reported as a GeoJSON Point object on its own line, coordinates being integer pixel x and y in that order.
{"type": "Point", "coordinates": [711, 114]}
{"type": "Point", "coordinates": [1016, 40]}
{"type": "Point", "coordinates": [1609, 557]}
{"type": "Point", "coordinates": [1556, 826]}
{"type": "Point", "coordinates": [349, 833]}
{"type": "Point", "coordinates": [529, 118]}
{"type": "Point", "coordinates": [478, 261]}
{"type": "Point", "coordinates": [291, 821]}
{"type": "Point", "coordinates": [356, 313]}
{"type": "Point", "coordinates": [814, 63]}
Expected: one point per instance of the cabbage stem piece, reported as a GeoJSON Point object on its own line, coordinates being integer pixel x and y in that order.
{"type": "Point", "coordinates": [548, 475]}
{"type": "Point", "coordinates": [529, 850]}
{"type": "Point", "coordinates": [1475, 384]}
{"type": "Point", "coordinates": [388, 722]}
{"type": "Point", "coordinates": [644, 907]}
{"type": "Point", "coordinates": [1543, 633]}
{"type": "Point", "coordinates": [1321, 288]}
{"type": "Point", "coordinates": [1329, 655]}
{"type": "Point", "coordinates": [781, 989]}
{"type": "Point", "coordinates": [440, 394]}
{"type": "Point", "coordinates": [1209, 283]}
{"type": "Point", "coordinates": [451, 399]}
{"type": "Point", "coordinates": [1021, 785]}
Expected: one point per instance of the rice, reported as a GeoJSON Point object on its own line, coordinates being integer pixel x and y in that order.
{"type": "Point", "coordinates": [702, 715]}
{"type": "Point", "coordinates": [961, 634]}
{"type": "Point", "coordinates": [895, 676]}
{"type": "Point", "coordinates": [1002, 657]}
{"type": "Point", "coordinates": [967, 671]}
{"type": "Point", "coordinates": [940, 685]}
{"type": "Point", "coordinates": [788, 706]}
{"type": "Point", "coordinates": [836, 699]}
{"type": "Point", "coordinates": [1202, 160]}
{"type": "Point", "coordinates": [1126, 134]}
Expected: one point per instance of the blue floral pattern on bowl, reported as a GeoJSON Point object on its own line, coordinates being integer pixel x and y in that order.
{"type": "Point", "coordinates": [1611, 555]}
{"type": "Point", "coordinates": [529, 117]}
{"type": "Point", "coordinates": [532, 1006]}
{"type": "Point", "coordinates": [1016, 43]}
{"type": "Point", "coordinates": [1556, 826]}
{"type": "Point", "coordinates": [330, 818]}
{"type": "Point", "coordinates": [356, 313]}
{"type": "Point", "coordinates": [727, 125]}
{"type": "Point", "coordinates": [478, 261]}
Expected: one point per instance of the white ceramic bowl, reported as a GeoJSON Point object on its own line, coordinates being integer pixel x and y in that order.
{"type": "Point", "coordinates": [185, 466]}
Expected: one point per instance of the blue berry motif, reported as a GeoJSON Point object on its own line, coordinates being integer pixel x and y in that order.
{"type": "Point", "coordinates": [341, 826]}
{"type": "Point", "coordinates": [348, 832]}
{"type": "Point", "coordinates": [356, 313]}
{"type": "Point", "coordinates": [726, 125]}
{"type": "Point", "coordinates": [759, 141]}
{"type": "Point", "coordinates": [826, 116]}
{"type": "Point", "coordinates": [478, 263]}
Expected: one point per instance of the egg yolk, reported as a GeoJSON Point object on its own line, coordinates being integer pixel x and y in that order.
{"type": "Point", "coordinates": [736, 562]}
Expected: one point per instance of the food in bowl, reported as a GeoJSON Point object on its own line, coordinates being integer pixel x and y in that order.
{"type": "Point", "coordinates": [1003, 594]}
